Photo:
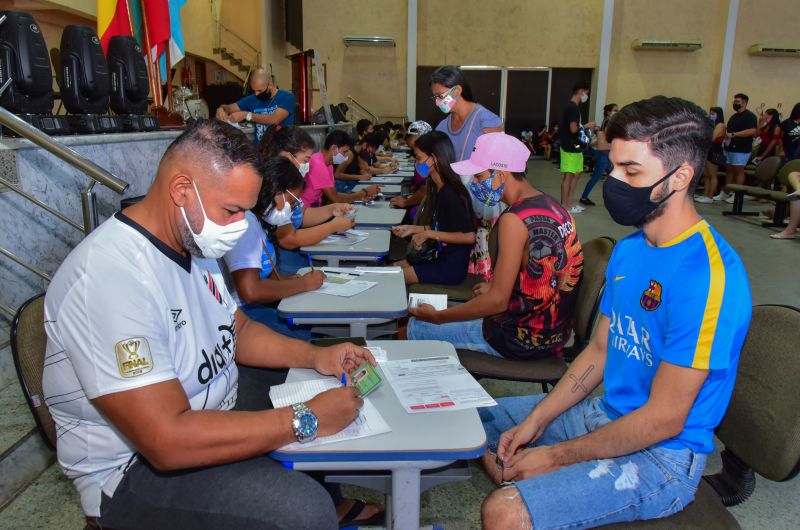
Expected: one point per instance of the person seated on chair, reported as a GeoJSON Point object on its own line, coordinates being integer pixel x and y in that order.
{"type": "Point", "coordinates": [320, 181]}
{"type": "Point", "coordinates": [439, 252]}
{"type": "Point", "coordinates": [252, 263]}
{"type": "Point", "coordinates": [525, 311]}
{"type": "Point", "coordinates": [415, 130]}
{"type": "Point", "coordinates": [674, 316]}
{"type": "Point", "coordinates": [545, 141]}
{"type": "Point", "coordinates": [267, 106]}
{"type": "Point", "coordinates": [153, 417]}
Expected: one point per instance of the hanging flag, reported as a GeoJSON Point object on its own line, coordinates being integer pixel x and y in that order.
{"type": "Point", "coordinates": [157, 18]}
{"type": "Point", "coordinates": [112, 19]}
{"type": "Point", "coordinates": [176, 48]}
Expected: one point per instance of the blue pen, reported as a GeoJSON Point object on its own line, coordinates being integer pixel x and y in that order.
{"type": "Point", "coordinates": [310, 263]}
{"type": "Point", "coordinates": [344, 379]}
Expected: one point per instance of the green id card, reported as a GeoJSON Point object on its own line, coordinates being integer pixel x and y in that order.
{"type": "Point", "coordinates": [366, 379]}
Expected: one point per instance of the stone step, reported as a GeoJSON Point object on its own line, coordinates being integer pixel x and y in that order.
{"type": "Point", "coordinates": [23, 454]}
{"type": "Point", "coordinates": [50, 502]}
{"type": "Point", "coordinates": [7, 371]}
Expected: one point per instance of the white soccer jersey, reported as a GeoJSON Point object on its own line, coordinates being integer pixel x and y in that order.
{"type": "Point", "coordinates": [125, 311]}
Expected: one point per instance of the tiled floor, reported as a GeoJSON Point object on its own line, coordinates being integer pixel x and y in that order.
{"type": "Point", "coordinates": [772, 267]}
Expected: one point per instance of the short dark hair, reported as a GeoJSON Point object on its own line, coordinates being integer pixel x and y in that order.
{"type": "Point", "coordinates": [362, 125]}
{"type": "Point", "coordinates": [280, 174]}
{"type": "Point", "coordinates": [519, 175]}
{"type": "Point", "coordinates": [795, 114]}
{"type": "Point", "coordinates": [338, 138]}
{"type": "Point", "coordinates": [289, 139]}
{"type": "Point", "coordinates": [580, 85]}
{"type": "Point", "coordinates": [374, 139]}
{"type": "Point", "coordinates": [676, 130]}
{"type": "Point", "coordinates": [216, 144]}
{"type": "Point", "coordinates": [451, 76]}
{"type": "Point", "coordinates": [741, 96]}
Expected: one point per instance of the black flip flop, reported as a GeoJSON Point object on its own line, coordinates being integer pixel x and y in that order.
{"type": "Point", "coordinates": [349, 520]}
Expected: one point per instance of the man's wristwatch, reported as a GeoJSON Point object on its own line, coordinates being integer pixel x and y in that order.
{"type": "Point", "coordinates": [304, 423]}
{"type": "Point", "coordinates": [249, 116]}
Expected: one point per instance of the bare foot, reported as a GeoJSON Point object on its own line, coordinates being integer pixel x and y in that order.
{"type": "Point", "coordinates": [783, 235]}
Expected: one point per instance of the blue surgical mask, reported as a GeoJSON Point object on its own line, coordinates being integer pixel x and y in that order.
{"type": "Point", "coordinates": [423, 168]}
{"type": "Point", "coordinates": [484, 193]}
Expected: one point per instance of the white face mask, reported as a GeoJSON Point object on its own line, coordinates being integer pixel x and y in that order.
{"type": "Point", "coordinates": [280, 217]}
{"type": "Point", "coordinates": [584, 98]}
{"type": "Point", "coordinates": [215, 240]}
{"type": "Point", "coordinates": [302, 168]}
{"type": "Point", "coordinates": [339, 158]}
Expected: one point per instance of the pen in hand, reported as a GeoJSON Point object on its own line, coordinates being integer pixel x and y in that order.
{"type": "Point", "coordinates": [310, 262]}
{"type": "Point", "coordinates": [344, 379]}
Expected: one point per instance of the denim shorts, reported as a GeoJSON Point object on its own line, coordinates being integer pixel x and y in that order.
{"type": "Point", "coordinates": [467, 335]}
{"type": "Point", "coordinates": [736, 159]}
{"type": "Point", "coordinates": [651, 483]}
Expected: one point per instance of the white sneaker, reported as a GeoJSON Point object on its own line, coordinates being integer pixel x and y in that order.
{"type": "Point", "coordinates": [721, 196]}
{"type": "Point", "coordinates": [703, 199]}
{"type": "Point", "coordinates": [576, 209]}
{"type": "Point", "coordinates": [729, 200]}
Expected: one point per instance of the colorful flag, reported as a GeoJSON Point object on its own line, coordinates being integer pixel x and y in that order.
{"type": "Point", "coordinates": [157, 17]}
{"type": "Point", "coordinates": [176, 48]}
{"type": "Point", "coordinates": [112, 19]}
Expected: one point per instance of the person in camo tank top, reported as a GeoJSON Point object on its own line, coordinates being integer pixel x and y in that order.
{"type": "Point", "coordinates": [525, 312]}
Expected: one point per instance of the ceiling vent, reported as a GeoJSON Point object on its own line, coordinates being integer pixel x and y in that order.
{"type": "Point", "coordinates": [667, 45]}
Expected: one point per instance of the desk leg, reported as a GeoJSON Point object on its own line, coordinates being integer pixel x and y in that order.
{"type": "Point", "coordinates": [358, 329]}
{"type": "Point", "coordinates": [332, 262]}
{"type": "Point", "coordinates": [405, 499]}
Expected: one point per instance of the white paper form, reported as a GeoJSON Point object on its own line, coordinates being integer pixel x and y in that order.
{"type": "Point", "coordinates": [380, 270]}
{"type": "Point", "coordinates": [351, 237]}
{"type": "Point", "coordinates": [434, 384]}
{"type": "Point", "coordinates": [368, 423]}
{"type": "Point", "coordinates": [438, 301]}
{"type": "Point", "coordinates": [346, 288]}
{"type": "Point", "coordinates": [383, 180]}
{"type": "Point", "coordinates": [379, 353]}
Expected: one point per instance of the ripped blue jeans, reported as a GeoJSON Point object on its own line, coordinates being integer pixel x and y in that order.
{"type": "Point", "coordinates": [651, 483]}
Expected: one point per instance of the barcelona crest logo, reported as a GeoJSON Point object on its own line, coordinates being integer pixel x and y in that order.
{"type": "Point", "coordinates": [651, 297]}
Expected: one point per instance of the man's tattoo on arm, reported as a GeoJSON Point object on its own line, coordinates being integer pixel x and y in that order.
{"type": "Point", "coordinates": [579, 386]}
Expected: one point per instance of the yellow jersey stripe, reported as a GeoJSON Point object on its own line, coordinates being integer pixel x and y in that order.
{"type": "Point", "coordinates": [692, 230]}
{"type": "Point", "coordinates": [716, 290]}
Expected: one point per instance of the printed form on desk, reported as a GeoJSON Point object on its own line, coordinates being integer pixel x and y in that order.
{"type": "Point", "coordinates": [434, 384]}
{"type": "Point", "coordinates": [368, 423]}
{"type": "Point", "coordinates": [345, 288]}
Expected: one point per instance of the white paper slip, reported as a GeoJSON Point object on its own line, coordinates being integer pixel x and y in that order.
{"type": "Point", "coordinates": [379, 353]}
{"type": "Point", "coordinates": [383, 180]}
{"type": "Point", "coordinates": [351, 237]}
{"type": "Point", "coordinates": [434, 384]}
{"type": "Point", "coordinates": [347, 289]}
{"type": "Point", "coordinates": [342, 271]}
{"type": "Point", "coordinates": [368, 423]}
{"type": "Point", "coordinates": [438, 301]}
{"type": "Point", "coordinates": [380, 270]}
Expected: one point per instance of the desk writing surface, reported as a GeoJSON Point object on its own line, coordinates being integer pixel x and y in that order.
{"type": "Point", "coordinates": [379, 214]}
{"type": "Point", "coordinates": [455, 434]}
{"type": "Point", "coordinates": [387, 189]}
{"type": "Point", "coordinates": [383, 180]}
{"type": "Point", "coordinates": [387, 299]}
{"type": "Point", "coordinates": [376, 244]}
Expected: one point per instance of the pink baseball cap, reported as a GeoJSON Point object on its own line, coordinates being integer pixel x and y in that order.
{"type": "Point", "coordinates": [492, 151]}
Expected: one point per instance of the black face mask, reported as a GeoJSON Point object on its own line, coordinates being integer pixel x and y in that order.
{"type": "Point", "coordinates": [266, 95]}
{"type": "Point", "coordinates": [630, 206]}
{"type": "Point", "coordinates": [737, 107]}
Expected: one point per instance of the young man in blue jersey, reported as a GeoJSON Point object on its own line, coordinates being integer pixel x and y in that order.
{"type": "Point", "coordinates": [674, 317]}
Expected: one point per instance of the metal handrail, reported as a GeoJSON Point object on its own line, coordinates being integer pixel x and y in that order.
{"type": "Point", "coordinates": [63, 152]}
{"type": "Point", "coordinates": [362, 107]}
{"type": "Point", "coordinates": [19, 261]}
{"type": "Point", "coordinates": [41, 205]}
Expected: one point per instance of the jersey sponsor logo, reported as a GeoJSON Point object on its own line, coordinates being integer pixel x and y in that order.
{"type": "Point", "coordinates": [133, 357]}
{"type": "Point", "coordinates": [176, 318]}
{"type": "Point", "coordinates": [223, 353]}
{"type": "Point", "coordinates": [630, 338]}
{"type": "Point", "coordinates": [651, 297]}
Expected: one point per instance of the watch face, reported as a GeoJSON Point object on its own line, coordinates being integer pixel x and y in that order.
{"type": "Point", "coordinates": [308, 424]}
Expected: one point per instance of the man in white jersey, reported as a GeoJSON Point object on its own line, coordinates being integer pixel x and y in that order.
{"type": "Point", "coordinates": [141, 366]}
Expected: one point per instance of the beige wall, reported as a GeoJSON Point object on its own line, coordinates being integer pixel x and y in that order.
{"type": "Point", "coordinates": [374, 76]}
{"type": "Point", "coordinates": [769, 80]}
{"type": "Point", "coordinates": [635, 75]}
{"type": "Point", "coordinates": [509, 32]}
